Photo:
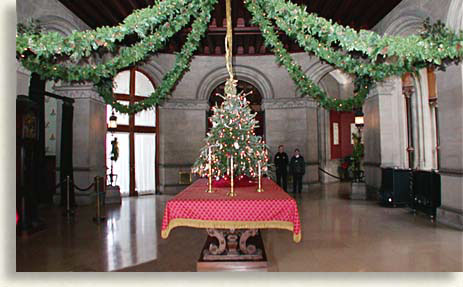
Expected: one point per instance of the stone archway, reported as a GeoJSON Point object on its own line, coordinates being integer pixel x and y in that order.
{"type": "Point", "coordinates": [407, 22]}
{"type": "Point", "coordinates": [244, 73]}
{"type": "Point", "coordinates": [57, 24]}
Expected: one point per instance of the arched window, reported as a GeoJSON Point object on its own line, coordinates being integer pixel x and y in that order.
{"type": "Point", "coordinates": [136, 169]}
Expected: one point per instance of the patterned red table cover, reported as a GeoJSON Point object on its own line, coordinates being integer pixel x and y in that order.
{"type": "Point", "coordinates": [193, 207]}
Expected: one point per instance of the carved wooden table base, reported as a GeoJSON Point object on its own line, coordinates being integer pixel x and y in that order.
{"type": "Point", "coordinates": [232, 245]}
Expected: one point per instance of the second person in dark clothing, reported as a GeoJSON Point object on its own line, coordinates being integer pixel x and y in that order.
{"type": "Point", "coordinates": [281, 164]}
{"type": "Point", "coordinates": [297, 169]}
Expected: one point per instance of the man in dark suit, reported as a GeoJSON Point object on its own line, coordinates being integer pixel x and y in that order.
{"type": "Point", "coordinates": [281, 164]}
{"type": "Point", "coordinates": [297, 169]}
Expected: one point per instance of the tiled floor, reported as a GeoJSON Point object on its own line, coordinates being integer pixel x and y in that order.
{"type": "Point", "coordinates": [338, 234]}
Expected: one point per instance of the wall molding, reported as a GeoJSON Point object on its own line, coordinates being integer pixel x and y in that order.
{"type": "Point", "coordinates": [289, 103]}
{"type": "Point", "coordinates": [178, 104]}
{"type": "Point", "coordinates": [79, 92]}
{"type": "Point", "coordinates": [173, 165]}
{"type": "Point", "coordinates": [451, 172]}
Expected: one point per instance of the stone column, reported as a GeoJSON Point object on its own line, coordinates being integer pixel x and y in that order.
{"type": "Point", "coordinates": [294, 122]}
{"type": "Point", "coordinates": [384, 131]}
{"type": "Point", "coordinates": [450, 101]}
{"type": "Point", "coordinates": [181, 135]}
{"type": "Point", "coordinates": [89, 137]}
{"type": "Point", "coordinates": [22, 79]}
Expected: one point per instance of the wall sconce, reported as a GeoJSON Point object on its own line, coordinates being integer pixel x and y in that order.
{"type": "Point", "coordinates": [112, 125]}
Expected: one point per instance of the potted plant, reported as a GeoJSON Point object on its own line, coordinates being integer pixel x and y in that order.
{"type": "Point", "coordinates": [343, 169]}
{"type": "Point", "coordinates": [355, 168]}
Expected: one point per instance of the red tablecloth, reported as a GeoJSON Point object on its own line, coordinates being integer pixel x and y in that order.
{"type": "Point", "coordinates": [193, 207]}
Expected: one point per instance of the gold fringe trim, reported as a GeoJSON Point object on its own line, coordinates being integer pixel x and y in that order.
{"type": "Point", "coordinates": [196, 223]}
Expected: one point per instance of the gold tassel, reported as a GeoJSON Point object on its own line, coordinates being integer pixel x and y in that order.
{"type": "Point", "coordinates": [221, 224]}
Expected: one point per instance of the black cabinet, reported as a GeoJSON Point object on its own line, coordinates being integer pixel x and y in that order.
{"type": "Point", "coordinates": [27, 164]}
{"type": "Point", "coordinates": [419, 189]}
{"type": "Point", "coordinates": [395, 186]}
{"type": "Point", "coordinates": [426, 192]}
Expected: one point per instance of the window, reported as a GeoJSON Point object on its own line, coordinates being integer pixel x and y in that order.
{"type": "Point", "coordinates": [136, 169]}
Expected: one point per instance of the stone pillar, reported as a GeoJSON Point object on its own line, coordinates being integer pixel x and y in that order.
{"type": "Point", "coordinates": [384, 131]}
{"type": "Point", "coordinates": [22, 79]}
{"type": "Point", "coordinates": [181, 135]}
{"type": "Point", "coordinates": [89, 137]}
{"type": "Point", "coordinates": [450, 104]}
{"type": "Point", "coordinates": [294, 123]}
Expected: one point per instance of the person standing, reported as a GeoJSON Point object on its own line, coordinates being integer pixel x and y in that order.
{"type": "Point", "coordinates": [297, 169]}
{"type": "Point", "coordinates": [281, 163]}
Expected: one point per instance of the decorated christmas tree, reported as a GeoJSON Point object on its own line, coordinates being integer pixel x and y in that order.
{"type": "Point", "coordinates": [232, 135]}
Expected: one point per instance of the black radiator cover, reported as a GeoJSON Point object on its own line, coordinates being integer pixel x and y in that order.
{"type": "Point", "coordinates": [395, 186]}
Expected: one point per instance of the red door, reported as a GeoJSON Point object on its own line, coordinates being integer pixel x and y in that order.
{"type": "Point", "coordinates": [341, 128]}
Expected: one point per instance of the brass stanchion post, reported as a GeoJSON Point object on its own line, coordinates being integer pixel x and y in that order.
{"type": "Point", "coordinates": [68, 211]}
{"type": "Point", "coordinates": [98, 218]}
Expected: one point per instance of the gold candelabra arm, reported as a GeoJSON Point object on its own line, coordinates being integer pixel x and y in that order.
{"type": "Point", "coordinates": [209, 186]}
{"type": "Point", "coordinates": [232, 192]}
{"type": "Point", "coordinates": [259, 187]}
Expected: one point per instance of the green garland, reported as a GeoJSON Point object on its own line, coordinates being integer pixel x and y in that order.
{"type": "Point", "coordinates": [182, 63]}
{"type": "Point", "coordinates": [365, 55]}
{"type": "Point", "coordinates": [428, 47]}
{"type": "Point", "coordinates": [304, 83]}
{"type": "Point", "coordinates": [295, 22]}
{"type": "Point", "coordinates": [102, 74]}
{"type": "Point", "coordinates": [81, 44]}
{"type": "Point", "coordinates": [127, 56]}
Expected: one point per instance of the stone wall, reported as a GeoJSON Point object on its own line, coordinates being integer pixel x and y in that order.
{"type": "Point", "coordinates": [289, 119]}
{"type": "Point", "coordinates": [89, 125]}
{"type": "Point", "coordinates": [385, 116]}
{"type": "Point", "coordinates": [381, 119]}
{"type": "Point", "coordinates": [450, 87]}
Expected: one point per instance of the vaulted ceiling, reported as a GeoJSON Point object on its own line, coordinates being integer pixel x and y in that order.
{"type": "Point", "coordinates": [358, 14]}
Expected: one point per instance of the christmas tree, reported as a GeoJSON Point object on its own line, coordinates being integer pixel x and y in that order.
{"type": "Point", "coordinates": [232, 134]}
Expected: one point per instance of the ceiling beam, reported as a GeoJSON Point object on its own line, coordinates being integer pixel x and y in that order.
{"type": "Point", "coordinates": [341, 11]}
{"type": "Point", "coordinates": [106, 12]}
{"type": "Point", "coordinates": [121, 9]}
{"type": "Point", "coordinates": [133, 4]}
{"type": "Point", "coordinates": [81, 12]}
{"type": "Point", "coordinates": [219, 8]}
{"type": "Point", "coordinates": [354, 12]}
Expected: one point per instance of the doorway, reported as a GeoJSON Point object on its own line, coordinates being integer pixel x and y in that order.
{"type": "Point", "coordinates": [135, 171]}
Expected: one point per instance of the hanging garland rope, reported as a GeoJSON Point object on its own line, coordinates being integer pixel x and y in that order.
{"type": "Point", "coordinates": [102, 74]}
{"type": "Point", "coordinates": [365, 71]}
{"type": "Point", "coordinates": [127, 56]}
{"type": "Point", "coordinates": [365, 55]}
{"type": "Point", "coordinates": [427, 47]}
{"type": "Point", "coordinates": [182, 64]}
{"type": "Point", "coordinates": [371, 65]}
{"type": "Point", "coordinates": [82, 43]}
{"type": "Point", "coordinates": [304, 83]}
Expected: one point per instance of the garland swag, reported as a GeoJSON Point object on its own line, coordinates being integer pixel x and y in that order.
{"type": "Point", "coordinates": [365, 55]}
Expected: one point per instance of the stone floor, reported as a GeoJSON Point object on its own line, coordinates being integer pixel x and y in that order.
{"type": "Point", "coordinates": [338, 234]}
